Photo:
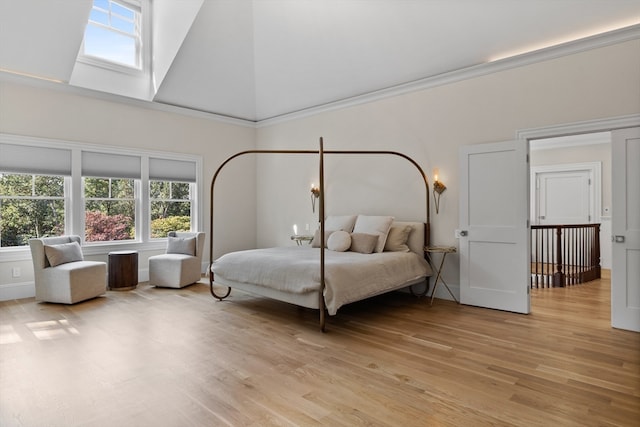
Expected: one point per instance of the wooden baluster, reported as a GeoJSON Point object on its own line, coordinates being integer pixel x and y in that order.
{"type": "Point", "coordinates": [558, 276]}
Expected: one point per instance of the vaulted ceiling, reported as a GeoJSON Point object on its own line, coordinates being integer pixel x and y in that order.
{"type": "Point", "coordinates": [259, 59]}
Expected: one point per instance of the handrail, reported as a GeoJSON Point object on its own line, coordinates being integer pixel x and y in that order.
{"type": "Point", "coordinates": [321, 152]}
{"type": "Point", "coordinates": [564, 254]}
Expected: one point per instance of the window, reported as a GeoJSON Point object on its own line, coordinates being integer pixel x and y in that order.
{"type": "Point", "coordinates": [110, 209]}
{"type": "Point", "coordinates": [170, 207]}
{"type": "Point", "coordinates": [30, 206]}
{"type": "Point", "coordinates": [171, 190]}
{"type": "Point", "coordinates": [108, 195]}
{"type": "Point", "coordinates": [114, 34]}
{"type": "Point", "coordinates": [110, 201]}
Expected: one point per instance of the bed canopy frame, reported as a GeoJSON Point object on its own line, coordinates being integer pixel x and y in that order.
{"type": "Point", "coordinates": [321, 152]}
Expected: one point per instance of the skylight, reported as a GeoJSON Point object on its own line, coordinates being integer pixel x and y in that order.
{"type": "Point", "coordinates": [113, 33]}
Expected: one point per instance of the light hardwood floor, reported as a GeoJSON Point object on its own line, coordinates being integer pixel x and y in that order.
{"type": "Point", "coordinates": [165, 357]}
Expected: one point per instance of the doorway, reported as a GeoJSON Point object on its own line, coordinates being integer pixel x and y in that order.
{"type": "Point", "coordinates": [570, 183]}
{"type": "Point", "coordinates": [616, 124]}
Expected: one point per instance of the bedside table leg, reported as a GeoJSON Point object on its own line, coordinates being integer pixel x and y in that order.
{"type": "Point", "coordinates": [440, 279]}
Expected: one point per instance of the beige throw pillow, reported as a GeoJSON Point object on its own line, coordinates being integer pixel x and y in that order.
{"type": "Point", "coordinates": [363, 243]}
{"type": "Point", "coordinates": [397, 239]}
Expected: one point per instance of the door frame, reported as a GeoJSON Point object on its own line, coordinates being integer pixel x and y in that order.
{"type": "Point", "coordinates": [595, 191]}
{"type": "Point", "coordinates": [590, 126]}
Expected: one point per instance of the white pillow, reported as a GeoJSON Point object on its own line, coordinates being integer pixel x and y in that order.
{"type": "Point", "coordinates": [63, 253]}
{"type": "Point", "coordinates": [181, 245]}
{"type": "Point", "coordinates": [378, 225]}
{"type": "Point", "coordinates": [397, 238]}
{"type": "Point", "coordinates": [339, 241]}
{"type": "Point", "coordinates": [340, 222]}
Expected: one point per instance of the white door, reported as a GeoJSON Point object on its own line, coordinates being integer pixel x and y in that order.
{"type": "Point", "coordinates": [563, 197]}
{"type": "Point", "coordinates": [625, 271]}
{"type": "Point", "coordinates": [495, 254]}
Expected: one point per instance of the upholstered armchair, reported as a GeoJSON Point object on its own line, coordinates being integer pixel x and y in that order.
{"type": "Point", "coordinates": [61, 273]}
{"type": "Point", "coordinates": [181, 265]}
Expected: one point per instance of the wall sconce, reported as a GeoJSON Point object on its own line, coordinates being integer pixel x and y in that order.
{"type": "Point", "coordinates": [438, 188]}
{"type": "Point", "coordinates": [315, 193]}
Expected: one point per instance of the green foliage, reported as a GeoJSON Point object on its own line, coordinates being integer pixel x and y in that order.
{"type": "Point", "coordinates": [162, 226]}
{"type": "Point", "coordinates": [34, 206]}
{"type": "Point", "coordinates": [35, 212]}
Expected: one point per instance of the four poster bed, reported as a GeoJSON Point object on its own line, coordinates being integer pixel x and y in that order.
{"type": "Point", "coordinates": [364, 255]}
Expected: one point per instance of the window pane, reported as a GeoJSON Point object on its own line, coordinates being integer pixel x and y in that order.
{"type": "Point", "coordinates": [96, 187]}
{"type": "Point", "coordinates": [180, 191]}
{"type": "Point", "coordinates": [110, 209]}
{"type": "Point", "coordinates": [169, 216]}
{"type": "Point", "coordinates": [159, 189]}
{"type": "Point", "coordinates": [99, 16]}
{"type": "Point", "coordinates": [109, 220]}
{"type": "Point", "coordinates": [15, 184]}
{"type": "Point", "coordinates": [122, 11]}
{"type": "Point", "coordinates": [24, 219]}
{"type": "Point", "coordinates": [123, 25]}
{"type": "Point", "coordinates": [170, 207]}
{"type": "Point", "coordinates": [122, 188]}
{"type": "Point", "coordinates": [106, 44]}
{"type": "Point", "coordinates": [49, 186]}
{"type": "Point", "coordinates": [102, 4]}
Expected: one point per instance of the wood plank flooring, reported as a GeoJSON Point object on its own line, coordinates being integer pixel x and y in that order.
{"type": "Point", "coordinates": [166, 357]}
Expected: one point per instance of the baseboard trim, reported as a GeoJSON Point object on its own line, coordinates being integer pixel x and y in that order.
{"type": "Point", "coordinates": [17, 291]}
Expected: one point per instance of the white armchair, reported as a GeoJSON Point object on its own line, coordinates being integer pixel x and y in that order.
{"type": "Point", "coordinates": [61, 273]}
{"type": "Point", "coordinates": [181, 265]}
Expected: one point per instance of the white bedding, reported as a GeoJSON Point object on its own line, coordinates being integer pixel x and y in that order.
{"type": "Point", "coordinates": [349, 276]}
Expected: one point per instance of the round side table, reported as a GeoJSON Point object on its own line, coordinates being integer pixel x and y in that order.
{"type": "Point", "coordinates": [123, 270]}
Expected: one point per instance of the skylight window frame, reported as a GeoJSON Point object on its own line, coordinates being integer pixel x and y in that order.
{"type": "Point", "coordinates": [141, 37]}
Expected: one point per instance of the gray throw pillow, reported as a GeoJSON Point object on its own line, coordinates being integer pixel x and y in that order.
{"type": "Point", "coordinates": [181, 245]}
{"type": "Point", "coordinates": [63, 253]}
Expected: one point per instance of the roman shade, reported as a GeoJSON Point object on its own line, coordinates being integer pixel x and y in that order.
{"type": "Point", "coordinates": [106, 165]}
{"type": "Point", "coordinates": [172, 170]}
{"type": "Point", "coordinates": [35, 160]}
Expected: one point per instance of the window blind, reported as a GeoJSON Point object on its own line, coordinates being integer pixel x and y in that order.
{"type": "Point", "coordinates": [105, 165]}
{"type": "Point", "coordinates": [35, 160]}
{"type": "Point", "coordinates": [172, 170]}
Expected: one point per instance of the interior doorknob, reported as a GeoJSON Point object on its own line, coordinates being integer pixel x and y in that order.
{"type": "Point", "coordinates": [618, 239]}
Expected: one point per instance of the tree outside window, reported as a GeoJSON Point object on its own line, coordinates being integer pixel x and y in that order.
{"type": "Point", "coordinates": [30, 206]}
{"type": "Point", "coordinates": [170, 207]}
{"type": "Point", "coordinates": [110, 209]}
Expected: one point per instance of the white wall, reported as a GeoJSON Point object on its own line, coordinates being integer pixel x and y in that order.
{"type": "Point", "coordinates": [431, 125]}
{"type": "Point", "coordinates": [46, 112]}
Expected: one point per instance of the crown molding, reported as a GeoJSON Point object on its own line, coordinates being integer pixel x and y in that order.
{"type": "Point", "coordinates": [553, 52]}
{"type": "Point", "coordinates": [549, 53]}
{"type": "Point", "coordinates": [582, 127]}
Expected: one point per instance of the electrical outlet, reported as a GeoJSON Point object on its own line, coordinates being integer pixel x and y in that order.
{"type": "Point", "coordinates": [15, 272]}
